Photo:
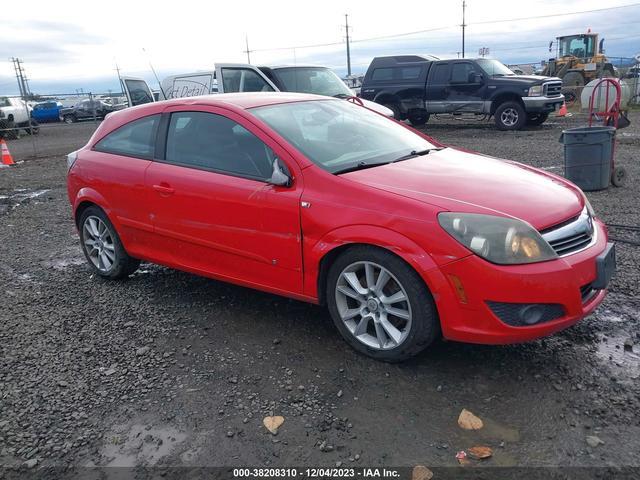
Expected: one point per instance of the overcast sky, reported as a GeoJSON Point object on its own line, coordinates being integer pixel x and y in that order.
{"type": "Point", "coordinates": [76, 44]}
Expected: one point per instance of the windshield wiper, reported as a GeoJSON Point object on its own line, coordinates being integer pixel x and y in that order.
{"type": "Point", "coordinates": [415, 153]}
{"type": "Point", "coordinates": [342, 95]}
{"type": "Point", "coordinates": [358, 166]}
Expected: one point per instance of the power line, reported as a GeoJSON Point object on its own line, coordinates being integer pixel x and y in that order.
{"type": "Point", "coordinates": [416, 32]}
{"type": "Point", "coordinates": [554, 15]}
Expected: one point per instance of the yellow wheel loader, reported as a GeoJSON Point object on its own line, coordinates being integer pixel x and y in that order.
{"type": "Point", "coordinates": [579, 59]}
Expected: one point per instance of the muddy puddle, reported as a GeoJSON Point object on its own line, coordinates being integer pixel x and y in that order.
{"type": "Point", "coordinates": [620, 354]}
{"type": "Point", "coordinates": [131, 445]}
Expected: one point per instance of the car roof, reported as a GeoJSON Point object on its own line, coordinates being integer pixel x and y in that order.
{"type": "Point", "coordinates": [278, 67]}
{"type": "Point", "coordinates": [244, 100]}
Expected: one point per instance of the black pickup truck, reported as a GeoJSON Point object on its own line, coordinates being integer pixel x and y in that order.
{"type": "Point", "coordinates": [416, 86]}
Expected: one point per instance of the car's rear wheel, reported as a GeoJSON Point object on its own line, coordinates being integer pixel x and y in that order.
{"type": "Point", "coordinates": [395, 109]}
{"type": "Point", "coordinates": [418, 118]}
{"type": "Point", "coordinates": [102, 246]}
{"type": "Point", "coordinates": [380, 305]}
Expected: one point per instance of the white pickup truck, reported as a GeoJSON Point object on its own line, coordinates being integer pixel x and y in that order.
{"type": "Point", "coordinates": [14, 115]}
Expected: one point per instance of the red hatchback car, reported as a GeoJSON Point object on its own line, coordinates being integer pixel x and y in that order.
{"type": "Point", "coordinates": [328, 202]}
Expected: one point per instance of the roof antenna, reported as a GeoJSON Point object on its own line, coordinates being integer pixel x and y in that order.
{"type": "Point", "coordinates": [154, 72]}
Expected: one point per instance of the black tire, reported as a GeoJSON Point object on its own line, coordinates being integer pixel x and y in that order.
{"type": "Point", "coordinates": [510, 116]}
{"type": "Point", "coordinates": [536, 119]}
{"type": "Point", "coordinates": [69, 118]}
{"type": "Point", "coordinates": [395, 109]}
{"type": "Point", "coordinates": [618, 176]}
{"type": "Point", "coordinates": [32, 128]}
{"type": "Point", "coordinates": [123, 265]}
{"type": "Point", "coordinates": [425, 324]}
{"type": "Point", "coordinates": [418, 118]}
{"type": "Point", "coordinates": [9, 130]}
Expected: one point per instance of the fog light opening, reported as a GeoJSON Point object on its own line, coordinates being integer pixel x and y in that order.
{"type": "Point", "coordinates": [531, 314]}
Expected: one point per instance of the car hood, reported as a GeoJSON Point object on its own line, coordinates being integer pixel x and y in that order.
{"type": "Point", "coordinates": [523, 79]}
{"type": "Point", "coordinates": [461, 181]}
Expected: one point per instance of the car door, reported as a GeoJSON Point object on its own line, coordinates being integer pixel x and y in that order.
{"type": "Point", "coordinates": [437, 91]}
{"type": "Point", "coordinates": [466, 87]}
{"type": "Point", "coordinates": [214, 211]}
{"type": "Point", "coordinates": [137, 91]}
{"type": "Point", "coordinates": [238, 77]}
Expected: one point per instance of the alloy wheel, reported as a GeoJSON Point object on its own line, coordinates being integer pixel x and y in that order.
{"type": "Point", "coordinates": [509, 117]}
{"type": "Point", "coordinates": [373, 305]}
{"type": "Point", "coordinates": [98, 243]}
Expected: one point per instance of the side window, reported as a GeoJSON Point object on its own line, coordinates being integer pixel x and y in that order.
{"type": "Point", "coordinates": [4, 102]}
{"type": "Point", "coordinates": [138, 91]}
{"type": "Point", "coordinates": [134, 139]}
{"type": "Point", "coordinates": [213, 142]}
{"type": "Point", "coordinates": [382, 74]}
{"type": "Point", "coordinates": [410, 73]}
{"type": "Point", "coordinates": [460, 72]}
{"type": "Point", "coordinates": [440, 74]}
{"type": "Point", "coordinates": [243, 80]}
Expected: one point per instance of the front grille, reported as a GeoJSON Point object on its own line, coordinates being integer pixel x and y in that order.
{"type": "Point", "coordinates": [526, 314]}
{"type": "Point", "coordinates": [570, 237]}
{"type": "Point", "coordinates": [552, 89]}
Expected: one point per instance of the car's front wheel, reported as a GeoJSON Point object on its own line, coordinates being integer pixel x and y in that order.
{"type": "Point", "coordinates": [69, 118]}
{"type": "Point", "coordinates": [536, 119]}
{"type": "Point", "coordinates": [510, 116]}
{"type": "Point", "coordinates": [102, 246]}
{"type": "Point", "coordinates": [380, 305]}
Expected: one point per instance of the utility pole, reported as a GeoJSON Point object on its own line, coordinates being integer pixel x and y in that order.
{"type": "Point", "coordinates": [23, 84]}
{"type": "Point", "coordinates": [247, 51]}
{"type": "Point", "coordinates": [346, 28]}
{"type": "Point", "coordinates": [15, 67]}
{"type": "Point", "coordinates": [464, 6]}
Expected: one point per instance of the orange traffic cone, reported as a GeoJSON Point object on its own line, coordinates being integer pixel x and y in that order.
{"type": "Point", "coordinates": [563, 110]}
{"type": "Point", "coordinates": [7, 159]}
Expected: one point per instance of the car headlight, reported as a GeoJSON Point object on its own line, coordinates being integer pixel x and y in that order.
{"type": "Point", "coordinates": [535, 91]}
{"type": "Point", "coordinates": [587, 204]}
{"type": "Point", "coordinates": [506, 241]}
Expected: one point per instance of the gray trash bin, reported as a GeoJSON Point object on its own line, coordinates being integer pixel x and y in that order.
{"type": "Point", "coordinates": [587, 156]}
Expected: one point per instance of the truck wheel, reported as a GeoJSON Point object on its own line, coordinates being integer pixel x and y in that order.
{"type": "Point", "coordinates": [536, 119]}
{"type": "Point", "coordinates": [8, 130]}
{"type": "Point", "coordinates": [32, 128]}
{"type": "Point", "coordinates": [510, 116]}
{"type": "Point", "coordinates": [418, 118]}
{"type": "Point", "coordinates": [69, 119]}
{"type": "Point", "coordinates": [394, 108]}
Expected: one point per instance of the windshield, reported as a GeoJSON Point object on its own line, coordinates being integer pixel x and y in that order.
{"type": "Point", "coordinates": [493, 68]}
{"type": "Point", "coordinates": [578, 46]}
{"type": "Point", "coordinates": [318, 80]}
{"type": "Point", "coordinates": [338, 135]}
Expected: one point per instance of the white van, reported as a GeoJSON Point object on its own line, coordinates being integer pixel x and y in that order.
{"type": "Point", "coordinates": [241, 77]}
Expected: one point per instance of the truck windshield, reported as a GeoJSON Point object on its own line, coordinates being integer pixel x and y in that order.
{"type": "Point", "coordinates": [339, 136]}
{"type": "Point", "coordinates": [317, 80]}
{"type": "Point", "coordinates": [494, 68]}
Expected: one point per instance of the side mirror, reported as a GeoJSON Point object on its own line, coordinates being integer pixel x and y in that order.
{"type": "Point", "coordinates": [279, 177]}
{"type": "Point", "coordinates": [475, 77]}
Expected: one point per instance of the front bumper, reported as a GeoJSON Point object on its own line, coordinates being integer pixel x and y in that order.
{"type": "Point", "coordinates": [542, 104]}
{"type": "Point", "coordinates": [561, 282]}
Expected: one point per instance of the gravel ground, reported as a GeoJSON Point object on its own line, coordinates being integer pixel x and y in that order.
{"type": "Point", "coordinates": [170, 369]}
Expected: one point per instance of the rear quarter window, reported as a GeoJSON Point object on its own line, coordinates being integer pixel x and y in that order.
{"type": "Point", "coordinates": [134, 139]}
{"type": "Point", "coordinates": [382, 75]}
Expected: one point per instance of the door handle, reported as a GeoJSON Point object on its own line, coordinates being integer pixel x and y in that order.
{"type": "Point", "coordinates": [164, 189]}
